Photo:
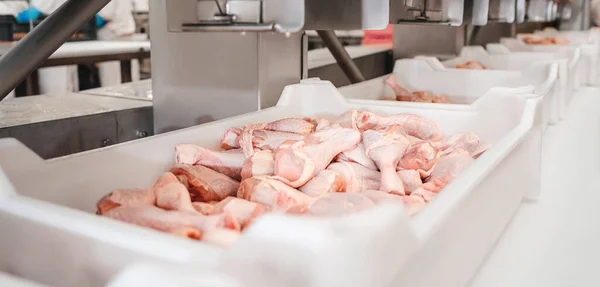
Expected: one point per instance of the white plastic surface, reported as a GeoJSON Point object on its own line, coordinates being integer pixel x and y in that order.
{"type": "Point", "coordinates": [442, 246]}
{"type": "Point", "coordinates": [462, 87]}
{"type": "Point", "coordinates": [154, 275]}
{"type": "Point", "coordinates": [551, 242]}
{"type": "Point", "coordinates": [555, 105]}
{"type": "Point", "coordinates": [7, 280]}
{"type": "Point", "coordinates": [570, 52]}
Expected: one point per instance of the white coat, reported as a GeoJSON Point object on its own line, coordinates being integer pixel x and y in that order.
{"type": "Point", "coordinates": [55, 80]}
{"type": "Point", "coordinates": [595, 12]}
{"type": "Point", "coordinates": [120, 26]}
{"type": "Point", "coordinates": [13, 7]}
{"type": "Point", "coordinates": [47, 6]}
{"type": "Point", "coordinates": [141, 6]}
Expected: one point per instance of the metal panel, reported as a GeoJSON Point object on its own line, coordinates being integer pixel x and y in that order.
{"type": "Point", "coordinates": [202, 77]}
{"type": "Point", "coordinates": [444, 12]}
{"type": "Point", "coordinates": [66, 136]}
{"type": "Point", "coordinates": [287, 16]}
{"type": "Point", "coordinates": [432, 40]}
{"type": "Point", "coordinates": [133, 124]}
{"type": "Point", "coordinates": [503, 11]}
{"type": "Point", "coordinates": [539, 10]}
{"type": "Point", "coordinates": [346, 14]}
{"type": "Point", "coordinates": [479, 10]}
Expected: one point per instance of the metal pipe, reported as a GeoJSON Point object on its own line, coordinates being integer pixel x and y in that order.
{"type": "Point", "coordinates": [39, 44]}
{"type": "Point", "coordinates": [341, 56]}
{"type": "Point", "coordinates": [473, 36]}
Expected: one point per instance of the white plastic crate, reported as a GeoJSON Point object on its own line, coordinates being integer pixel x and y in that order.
{"type": "Point", "coordinates": [570, 52]}
{"type": "Point", "coordinates": [522, 61]}
{"type": "Point", "coordinates": [589, 41]}
{"type": "Point", "coordinates": [462, 87]}
{"type": "Point", "coordinates": [61, 246]}
{"type": "Point", "coordinates": [445, 242]}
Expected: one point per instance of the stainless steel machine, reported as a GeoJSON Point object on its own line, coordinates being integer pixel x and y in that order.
{"type": "Point", "coordinates": [236, 56]}
{"type": "Point", "coordinates": [214, 59]}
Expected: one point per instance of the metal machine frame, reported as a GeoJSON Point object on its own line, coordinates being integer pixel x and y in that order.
{"type": "Point", "coordinates": [195, 43]}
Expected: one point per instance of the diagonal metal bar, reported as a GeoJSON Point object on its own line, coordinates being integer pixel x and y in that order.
{"type": "Point", "coordinates": [39, 44]}
{"type": "Point", "coordinates": [341, 56]}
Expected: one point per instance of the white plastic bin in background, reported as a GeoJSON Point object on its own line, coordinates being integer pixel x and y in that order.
{"type": "Point", "coordinates": [462, 87]}
{"type": "Point", "coordinates": [572, 53]}
{"type": "Point", "coordinates": [446, 242]}
{"type": "Point", "coordinates": [589, 41]}
{"type": "Point", "coordinates": [521, 61]}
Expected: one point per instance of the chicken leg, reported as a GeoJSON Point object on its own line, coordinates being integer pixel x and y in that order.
{"type": "Point", "coordinates": [205, 184]}
{"type": "Point", "coordinates": [297, 163]}
{"type": "Point", "coordinates": [386, 148]}
{"type": "Point", "coordinates": [228, 162]}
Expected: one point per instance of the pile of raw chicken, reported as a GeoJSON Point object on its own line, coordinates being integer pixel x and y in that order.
{"type": "Point", "coordinates": [545, 41]}
{"type": "Point", "coordinates": [405, 95]}
{"type": "Point", "coordinates": [305, 167]}
{"type": "Point", "coordinates": [472, 65]}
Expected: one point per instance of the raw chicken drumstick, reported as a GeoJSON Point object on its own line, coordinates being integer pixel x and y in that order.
{"type": "Point", "coordinates": [271, 193]}
{"type": "Point", "coordinates": [204, 183]}
{"type": "Point", "coordinates": [472, 65]}
{"type": "Point", "coordinates": [243, 211]}
{"type": "Point", "coordinates": [228, 163]}
{"type": "Point", "coordinates": [356, 176]}
{"type": "Point", "coordinates": [260, 163]}
{"type": "Point", "coordinates": [271, 140]}
{"type": "Point", "coordinates": [386, 148]}
{"type": "Point", "coordinates": [125, 197]}
{"type": "Point", "coordinates": [470, 142]}
{"type": "Point", "coordinates": [325, 182]}
{"type": "Point", "coordinates": [404, 95]}
{"type": "Point", "coordinates": [336, 204]}
{"type": "Point", "coordinates": [243, 137]}
{"type": "Point", "coordinates": [297, 163]}
{"type": "Point", "coordinates": [447, 169]}
{"type": "Point", "coordinates": [231, 139]}
{"type": "Point", "coordinates": [545, 41]}
{"type": "Point", "coordinates": [411, 180]}
{"type": "Point", "coordinates": [291, 125]}
{"type": "Point", "coordinates": [171, 194]}
{"type": "Point", "coordinates": [414, 125]}
{"type": "Point", "coordinates": [421, 157]}
{"type": "Point", "coordinates": [190, 225]}
{"type": "Point", "coordinates": [412, 204]}
{"type": "Point", "coordinates": [357, 155]}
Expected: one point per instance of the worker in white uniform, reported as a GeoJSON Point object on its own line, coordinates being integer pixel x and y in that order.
{"type": "Point", "coordinates": [120, 25]}
{"type": "Point", "coordinates": [141, 6]}
{"type": "Point", "coordinates": [13, 7]}
{"type": "Point", "coordinates": [595, 11]}
{"type": "Point", "coordinates": [115, 22]}
{"type": "Point", "coordinates": [53, 80]}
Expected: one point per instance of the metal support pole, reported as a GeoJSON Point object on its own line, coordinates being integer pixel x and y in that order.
{"type": "Point", "coordinates": [341, 56]}
{"type": "Point", "coordinates": [45, 39]}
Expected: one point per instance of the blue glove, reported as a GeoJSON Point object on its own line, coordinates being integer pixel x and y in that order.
{"type": "Point", "coordinates": [30, 14]}
{"type": "Point", "coordinates": [100, 22]}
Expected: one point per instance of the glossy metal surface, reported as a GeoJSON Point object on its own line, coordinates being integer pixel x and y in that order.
{"type": "Point", "coordinates": [443, 12]}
